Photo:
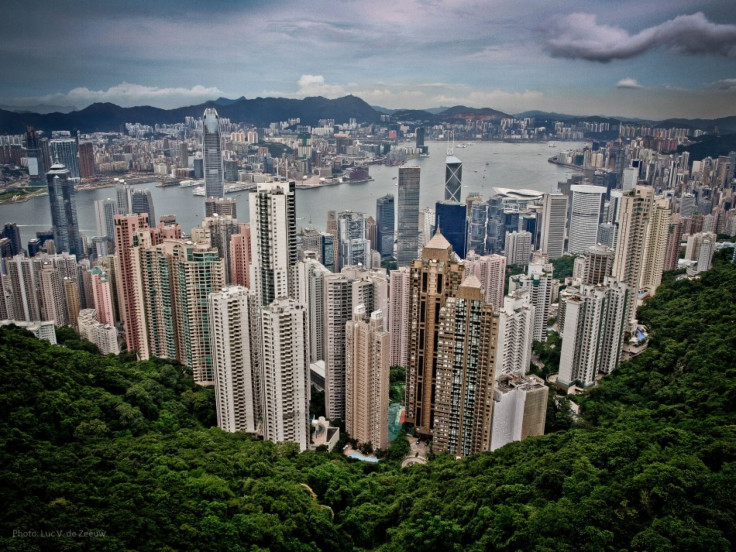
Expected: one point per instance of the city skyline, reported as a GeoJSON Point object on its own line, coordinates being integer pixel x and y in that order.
{"type": "Point", "coordinates": [631, 60]}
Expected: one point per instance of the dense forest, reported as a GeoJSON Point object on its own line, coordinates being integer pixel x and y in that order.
{"type": "Point", "coordinates": [124, 451]}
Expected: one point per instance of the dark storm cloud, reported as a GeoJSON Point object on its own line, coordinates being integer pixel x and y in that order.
{"type": "Point", "coordinates": [579, 36]}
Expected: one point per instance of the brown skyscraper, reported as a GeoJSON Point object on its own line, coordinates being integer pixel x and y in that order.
{"type": "Point", "coordinates": [466, 351]}
{"type": "Point", "coordinates": [433, 279]}
{"type": "Point", "coordinates": [86, 155]}
{"type": "Point", "coordinates": [126, 229]}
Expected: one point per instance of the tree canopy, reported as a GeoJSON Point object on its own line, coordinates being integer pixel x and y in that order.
{"type": "Point", "coordinates": [104, 444]}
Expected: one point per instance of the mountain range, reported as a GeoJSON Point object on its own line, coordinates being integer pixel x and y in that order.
{"type": "Point", "coordinates": [100, 117]}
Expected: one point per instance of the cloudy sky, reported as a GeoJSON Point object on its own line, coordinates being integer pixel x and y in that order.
{"type": "Point", "coordinates": [637, 58]}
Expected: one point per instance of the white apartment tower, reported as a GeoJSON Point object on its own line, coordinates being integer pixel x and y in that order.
{"type": "Point", "coordinates": [273, 240]}
{"type": "Point", "coordinates": [515, 334]}
{"type": "Point", "coordinates": [595, 320]}
{"type": "Point", "coordinates": [234, 330]}
{"type": "Point", "coordinates": [585, 215]}
{"type": "Point", "coordinates": [285, 358]}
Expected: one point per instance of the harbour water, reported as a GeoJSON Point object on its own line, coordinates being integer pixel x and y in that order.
{"type": "Point", "coordinates": [485, 165]}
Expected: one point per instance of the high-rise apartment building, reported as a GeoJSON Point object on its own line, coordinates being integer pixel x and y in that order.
{"type": "Point", "coordinates": [433, 279]}
{"type": "Point", "coordinates": [539, 280]}
{"type": "Point", "coordinates": [519, 409]}
{"type": "Point", "coordinates": [465, 365]}
{"type": "Point", "coordinates": [197, 271]}
{"type": "Point", "coordinates": [64, 211]}
{"type": "Point", "coordinates": [127, 228]}
{"type": "Point", "coordinates": [220, 206]}
{"type": "Point", "coordinates": [273, 240]}
{"type": "Point", "coordinates": [338, 308]}
{"type": "Point", "coordinates": [23, 286]}
{"type": "Point", "coordinates": [234, 321]}
{"type": "Point", "coordinates": [453, 179]}
{"type": "Point", "coordinates": [655, 250]}
{"type": "Point", "coordinates": [367, 346]}
{"type": "Point", "coordinates": [598, 264]}
{"type": "Point", "coordinates": [240, 256]}
{"type": "Point", "coordinates": [554, 222]}
{"type": "Point", "coordinates": [212, 154]}
{"type": "Point", "coordinates": [515, 334]}
{"type": "Point", "coordinates": [311, 290]}
{"type": "Point", "coordinates": [408, 219]}
{"type": "Point", "coordinates": [354, 247]}
{"type": "Point", "coordinates": [674, 240]}
{"type": "Point", "coordinates": [491, 271]}
{"type": "Point", "coordinates": [385, 225]}
{"type": "Point", "coordinates": [595, 321]}
{"type": "Point", "coordinates": [585, 215]}
{"type": "Point", "coordinates": [518, 248]}
{"type": "Point", "coordinates": [399, 321]}
{"type": "Point", "coordinates": [285, 358]}
{"type": "Point", "coordinates": [103, 296]}
{"type": "Point", "coordinates": [634, 215]}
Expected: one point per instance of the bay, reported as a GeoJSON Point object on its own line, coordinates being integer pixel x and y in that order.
{"type": "Point", "coordinates": [485, 165]}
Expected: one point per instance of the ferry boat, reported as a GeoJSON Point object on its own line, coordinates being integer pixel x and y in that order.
{"type": "Point", "coordinates": [190, 183]}
{"type": "Point", "coordinates": [199, 191]}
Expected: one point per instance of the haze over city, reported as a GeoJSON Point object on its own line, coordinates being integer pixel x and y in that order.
{"type": "Point", "coordinates": [647, 59]}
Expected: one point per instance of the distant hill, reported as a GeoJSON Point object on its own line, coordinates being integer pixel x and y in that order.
{"type": "Point", "coordinates": [262, 111]}
{"type": "Point", "coordinates": [259, 111]}
{"type": "Point", "coordinates": [710, 146]}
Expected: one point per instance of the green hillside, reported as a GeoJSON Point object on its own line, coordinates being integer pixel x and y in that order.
{"type": "Point", "coordinates": [101, 444]}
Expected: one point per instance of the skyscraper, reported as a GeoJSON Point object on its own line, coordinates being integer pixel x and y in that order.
{"type": "Point", "coordinates": [554, 222]}
{"type": "Point", "coordinates": [64, 151]}
{"type": "Point", "coordinates": [433, 278]}
{"type": "Point", "coordinates": [122, 198]}
{"type": "Point", "coordinates": [674, 239]}
{"type": "Point", "coordinates": [515, 334]}
{"type": "Point", "coordinates": [598, 264]}
{"type": "Point", "coordinates": [311, 285]}
{"type": "Point", "coordinates": [126, 230]}
{"type": "Point", "coordinates": [399, 321]}
{"type": "Point", "coordinates": [450, 221]}
{"type": "Point", "coordinates": [233, 319]}
{"type": "Point", "coordinates": [86, 160]}
{"type": "Point", "coordinates": [354, 247]}
{"type": "Point", "coordinates": [64, 211]}
{"type": "Point", "coordinates": [12, 232]}
{"type": "Point", "coordinates": [518, 248]}
{"type": "Point", "coordinates": [408, 224]}
{"type": "Point", "coordinates": [273, 240]}
{"type": "Point", "coordinates": [240, 256]}
{"type": "Point", "coordinates": [141, 201]}
{"type": "Point", "coordinates": [285, 358]}
{"type": "Point", "coordinates": [465, 365]}
{"type": "Point", "coordinates": [105, 210]}
{"type": "Point", "coordinates": [453, 179]}
{"type": "Point", "coordinates": [367, 355]}
{"type": "Point", "coordinates": [491, 271]}
{"type": "Point", "coordinates": [585, 215]}
{"type": "Point", "coordinates": [595, 321]}
{"type": "Point", "coordinates": [656, 245]}
{"type": "Point", "coordinates": [385, 224]}
{"type": "Point", "coordinates": [539, 281]}
{"type": "Point", "coordinates": [634, 215]}
{"type": "Point", "coordinates": [212, 153]}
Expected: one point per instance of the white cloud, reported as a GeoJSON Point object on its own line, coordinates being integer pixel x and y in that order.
{"type": "Point", "coordinates": [723, 84]}
{"type": "Point", "coordinates": [628, 82]}
{"type": "Point", "coordinates": [315, 85]}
